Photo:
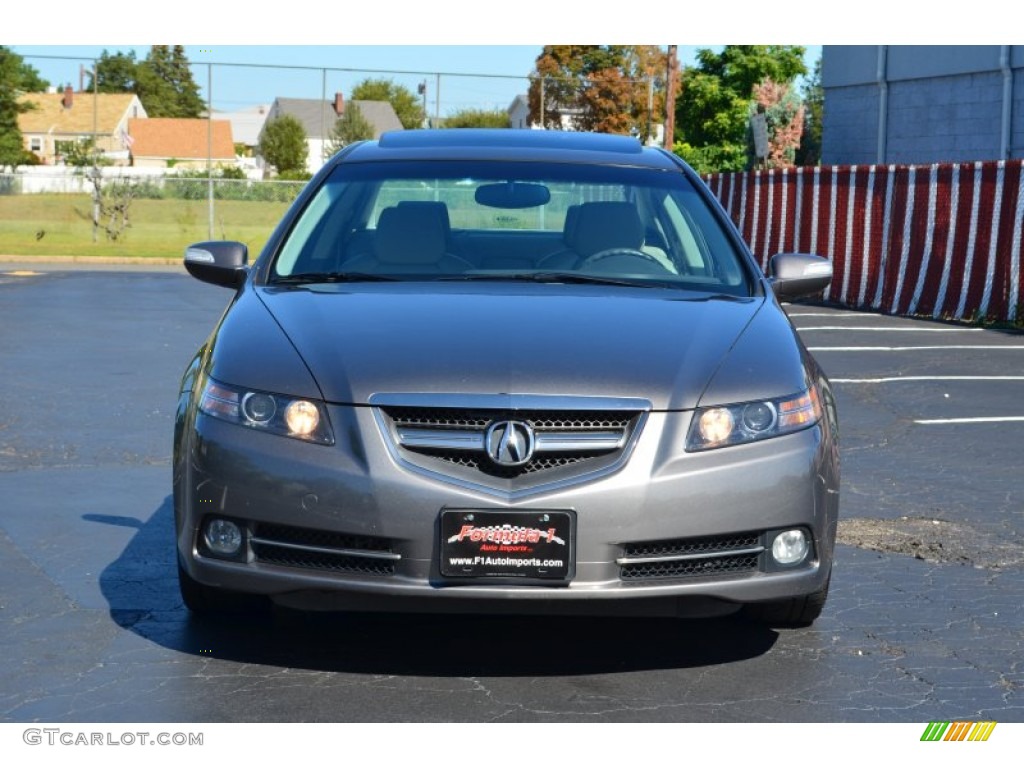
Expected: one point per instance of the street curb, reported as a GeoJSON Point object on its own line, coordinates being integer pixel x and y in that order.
{"type": "Point", "coordinates": [156, 261]}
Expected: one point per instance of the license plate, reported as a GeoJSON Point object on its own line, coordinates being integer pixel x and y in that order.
{"type": "Point", "coordinates": [526, 545]}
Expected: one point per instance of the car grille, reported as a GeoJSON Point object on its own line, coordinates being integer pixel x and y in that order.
{"type": "Point", "coordinates": [737, 554]}
{"type": "Point", "coordinates": [322, 550]}
{"type": "Point", "coordinates": [455, 437]}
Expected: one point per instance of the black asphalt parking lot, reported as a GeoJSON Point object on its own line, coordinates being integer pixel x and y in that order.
{"type": "Point", "coordinates": [925, 620]}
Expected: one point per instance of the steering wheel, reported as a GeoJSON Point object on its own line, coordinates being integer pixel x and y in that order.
{"type": "Point", "coordinates": [608, 253]}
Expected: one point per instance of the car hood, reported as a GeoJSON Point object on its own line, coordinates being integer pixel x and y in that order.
{"type": "Point", "coordinates": [661, 345]}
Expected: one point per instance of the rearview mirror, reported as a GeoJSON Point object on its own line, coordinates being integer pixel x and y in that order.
{"type": "Point", "coordinates": [512, 194]}
{"type": "Point", "coordinates": [796, 275]}
{"type": "Point", "coordinates": [221, 262]}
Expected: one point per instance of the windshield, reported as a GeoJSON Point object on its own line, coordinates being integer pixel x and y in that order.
{"type": "Point", "coordinates": [510, 220]}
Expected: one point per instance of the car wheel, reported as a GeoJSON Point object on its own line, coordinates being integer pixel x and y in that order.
{"type": "Point", "coordinates": [206, 600]}
{"type": "Point", "coordinates": [792, 613]}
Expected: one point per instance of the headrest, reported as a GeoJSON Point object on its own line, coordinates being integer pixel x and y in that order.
{"type": "Point", "coordinates": [410, 234]}
{"type": "Point", "coordinates": [440, 210]}
{"type": "Point", "coordinates": [600, 226]}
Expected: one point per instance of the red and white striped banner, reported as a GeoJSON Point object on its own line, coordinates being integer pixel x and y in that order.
{"type": "Point", "coordinates": [939, 240]}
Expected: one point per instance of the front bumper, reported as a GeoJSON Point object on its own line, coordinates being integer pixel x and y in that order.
{"type": "Point", "coordinates": [354, 497]}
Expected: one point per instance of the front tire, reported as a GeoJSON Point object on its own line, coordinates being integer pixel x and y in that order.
{"type": "Point", "coordinates": [792, 613]}
{"type": "Point", "coordinates": [211, 601]}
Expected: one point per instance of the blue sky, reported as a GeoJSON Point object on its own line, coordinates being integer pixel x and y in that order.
{"type": "Point", "coordinates": [454, 36]}
{"type": "Point", "coordinates": [309, 70]}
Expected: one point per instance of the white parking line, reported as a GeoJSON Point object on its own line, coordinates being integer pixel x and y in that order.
{"type": "Point", "coordinates": [978, 420]}
{"type": "Point", "coordinates": [888, 379]}
{"type": "Point", "coordinates": [914, 349]}
{"type": "Point", "coordinates": [837, 315]}
{"type": "Point", "coordinates": [887, 329]}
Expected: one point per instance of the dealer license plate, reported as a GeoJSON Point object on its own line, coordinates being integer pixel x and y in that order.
{"type": "Point", "coordinates": [527, 545]}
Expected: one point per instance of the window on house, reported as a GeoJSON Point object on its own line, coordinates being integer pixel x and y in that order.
{"type": "Point", "coordinates": [35, 144]}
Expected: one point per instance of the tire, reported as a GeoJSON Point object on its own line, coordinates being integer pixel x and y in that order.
{"type": "Point", "coordinates": [211, 601]}
{"type": "Point", "coordinates": [793, 613]}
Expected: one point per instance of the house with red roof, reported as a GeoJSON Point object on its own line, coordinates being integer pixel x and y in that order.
{"type": "Point", "coordinates": [178, 142]}
{"type": "Point", "coordinates": [53, 121]}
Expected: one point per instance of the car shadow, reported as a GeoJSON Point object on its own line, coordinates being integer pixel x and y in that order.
{"type": "Point", "coordinates": [141, 589]}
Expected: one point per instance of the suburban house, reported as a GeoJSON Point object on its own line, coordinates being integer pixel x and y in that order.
{"type": "Point", "coordinates": [519, 117]}
{"type": "Point", "coordinates": [178, 142]}
{"type": "Point", "coordinates": [318, 117]}
{"type": "Point", "coordinates": [57, 119]}
{"type": "Point", "coordinates": [246, 125]}
{"type": "Point", "coordinates": [519, 113]}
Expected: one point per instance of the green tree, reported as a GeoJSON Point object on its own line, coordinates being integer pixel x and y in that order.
{"type": "Point", "coordinates": [403, 101]}
{"type": "Point", "coordinates": [31, 80]}
{"type": "Point", "coordinates": [348, 128]}
{"type": "Point", "coordinates": [809, 152]}
{"type": "Point", "coordinates": [164, 84]}
{"type": "Point", "coordinates": [598, 88]}
{"type": "Point", "coordinates": [477, 118]}
{"type": "Point", "coordinates": [713, 107]}
{"type": "Point", "coordinates": [16, 78]}
{"type": "Point", "coordinates": [82, 153]}
{"type": "Point", "coordinates": [114, 73]}
{"type": "Point", "coordinates": [283, 144]}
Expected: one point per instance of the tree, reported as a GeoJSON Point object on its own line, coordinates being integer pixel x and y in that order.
{"type": "Point", "coordinates": [82, 153]}
{"type": "Point", "coordinates": [16, 78]}
{"type": "Point", "coordinates": [164, 84]}
{"type": "Point", "coordinates": [112, 202]}
{"type": "Point", "coordinates": [403, 101]}
{"type": "Point", "coordinates": [599, 88]}
{"type": "Point", "coordinates": [712, 110]}
{"type": "Point", "coordinates": [348, 128]}
{"type": "Point", "coordinates": [809, 152]}
{"type": "Point", "coordinates": [114, 73]}
{"type": "Point", "coordinates": [477, 118]}
{"type": "Point", "coordinates": [784, 116]}
{"type": "Point", "coordinates": [283, 144]}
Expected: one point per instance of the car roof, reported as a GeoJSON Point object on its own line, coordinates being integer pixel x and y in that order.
{"type": "Point", "coordinates": [510, 144]}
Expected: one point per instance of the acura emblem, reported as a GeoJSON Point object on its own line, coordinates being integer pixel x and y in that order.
{"type": "Point", "coordinates": [510, 443]}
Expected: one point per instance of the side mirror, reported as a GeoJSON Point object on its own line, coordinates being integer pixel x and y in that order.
{"type": "Point", "coordinates": [795, 275]}
{"type": "Point", "coordinates": [221, 262]}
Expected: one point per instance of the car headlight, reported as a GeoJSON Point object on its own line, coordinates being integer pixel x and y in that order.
{"type": "Point", "coordinates": [296, 417]}
{"type": "Point", "coordinates": [723, 425]}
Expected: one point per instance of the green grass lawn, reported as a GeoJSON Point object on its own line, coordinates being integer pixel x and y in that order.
{"type": "Point", "coordinates": [60, 225]}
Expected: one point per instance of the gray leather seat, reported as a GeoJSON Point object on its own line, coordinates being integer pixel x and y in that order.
{"type": "Point", "coordinates": [595, 227]}
{"type": "Point", "coordinates": [410, 239]}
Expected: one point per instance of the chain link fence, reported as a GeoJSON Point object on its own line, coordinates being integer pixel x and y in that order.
{"type": "Point", "coordinates": [311, 92]}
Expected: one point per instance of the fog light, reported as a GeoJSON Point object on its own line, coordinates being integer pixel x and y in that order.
{"type": "Point", "coordinates": [790, 547]}
{"type": "Point", "coordinates": [222, 537]}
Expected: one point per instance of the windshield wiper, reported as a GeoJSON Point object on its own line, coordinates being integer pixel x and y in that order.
{"type": "Point", "coordinates": [554, 277]}
{"type": "Point", "coordinates": [303, 278]}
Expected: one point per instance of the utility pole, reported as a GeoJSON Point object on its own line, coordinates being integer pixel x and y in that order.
{"type": "Point", "coordinates": [650, 108]}
{"type": "Point", "coordinates": [670, 98]}
{"type": "Point", "coordinates": [209, 148]}
{"type": "Point", "coordinates": [422, 90]}
{"type": "Point", "coordinates": [543, 97]}
{"type": "Point", "coordinates": [95, 144]}
{"type": "Point", "coordinates": [437, 102]}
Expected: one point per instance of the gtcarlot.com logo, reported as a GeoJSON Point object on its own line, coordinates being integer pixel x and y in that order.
{"type": "Point", "coordinates": [59, 736]}
{"type": "Point", "coordinates": [958, 731]}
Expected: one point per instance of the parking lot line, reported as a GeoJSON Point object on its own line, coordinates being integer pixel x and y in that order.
{"type": "Point", "coordinates": [915, 349]}
{"type": "Point", "coordinates": [973, 420]}
{"type": "Point", "coordinates": [888, 379]}
{"type": "Point", "coordinates": [836, 315]}
{"type": "Point", "coordinates": [888, 329]}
